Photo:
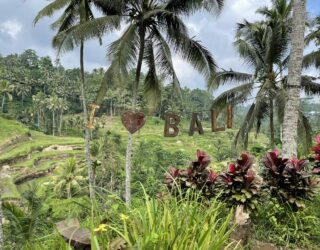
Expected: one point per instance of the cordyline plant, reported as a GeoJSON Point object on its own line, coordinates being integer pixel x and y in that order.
{"type": "Point", "coordinates": [315, 159]}
{"type": "Point", "coordinates": [239, 184]}
{"type": "Point", "coordinates": [289, 180]}
{"type": "Point", "coordinates": [198, 177]}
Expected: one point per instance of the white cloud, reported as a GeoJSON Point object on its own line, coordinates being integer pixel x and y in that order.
{"type": "Point", "coordinates": [11, 28]}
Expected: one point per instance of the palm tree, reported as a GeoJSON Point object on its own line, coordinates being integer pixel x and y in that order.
{"type": "Point", "coordinates": [39, 102]}
{"type": "Point", "coordinates": [68, 181]}
{"type": "Point", "coordinates": [264, 46]}
{"type": "Point", "coordinates": [6, 90]}
{"type": "Point", "coordinates": [26, 223]}
{"type": "Point", "coordinates": [76, 12]}
{"type": "Point", "coordinates": [154, 27]}
{"type": "Point", "coordinates": [23, 90]}
{"type": "Point", "coordinates": [53, 106]}
{"type": "Point", "coordinates": [63, 105]}
{"type": "Point", "coordinates": [291, 112]}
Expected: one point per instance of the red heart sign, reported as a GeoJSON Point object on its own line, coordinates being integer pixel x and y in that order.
{"type": "Point", "coordinates": [133, 121]}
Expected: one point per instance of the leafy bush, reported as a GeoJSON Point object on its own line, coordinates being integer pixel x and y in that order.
{"type": "Point", "coordinates": [240, 185]}
{"type": "Point", "coordinates": [197, 177]}
{"type": "Point", "coordinates": [237, 186]}
{"type": "Point", "coordinates": [289, 180]}
{"type": "Point", "coordinates": [280, 225]}
{"type": "Point", "coordinates": [316, 156]}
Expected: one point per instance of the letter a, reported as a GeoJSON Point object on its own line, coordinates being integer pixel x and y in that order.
{"type": "Point", "coordinates": [195, 125]}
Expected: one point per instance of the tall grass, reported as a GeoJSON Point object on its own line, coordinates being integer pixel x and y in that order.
{"type": "Point", "coordinates": [174, 223]}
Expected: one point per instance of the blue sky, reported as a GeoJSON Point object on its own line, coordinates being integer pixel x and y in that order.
{"type": "Point", "coordinates": [216, 33]}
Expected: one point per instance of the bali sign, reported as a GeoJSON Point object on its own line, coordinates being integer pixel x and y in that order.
{"type": "Point", "coordinates": [134, 121]}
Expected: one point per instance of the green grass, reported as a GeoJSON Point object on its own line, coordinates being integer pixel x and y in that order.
{"type": "Point", "coordinates": [8, 189]}
{"type": "Point", "coordinates": [38, 142]}
{"type": "Point", "coordinates": [10, 128]}
{"type": "Point", "coordinates": [210, 142]}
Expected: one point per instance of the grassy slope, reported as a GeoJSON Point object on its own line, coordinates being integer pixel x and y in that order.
{"type": "Point", "coordinates": [209, 142]}
{"type": "Point", "coordinates": [9, 129]}
{"type": "Point", "coordinates": [152, 131]}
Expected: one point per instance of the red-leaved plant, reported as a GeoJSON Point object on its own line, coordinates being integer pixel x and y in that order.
{"type": "Point", "coordinates": [288, 180]}
{"type": "Point", "coordinates": [240, 185]}
{"type": "Point", "coordinates": [198, 177]}
{"type": "Point", "coordinates": [316, 156]}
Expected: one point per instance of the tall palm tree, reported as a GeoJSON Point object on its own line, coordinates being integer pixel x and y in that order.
{"type": "Point", "coordinates": [153, 27]}
{"type": "Point", "coordinates": [76, 12]}
{"type": "Point", "coordinates": [53, 106]}
{"type": "Point", "coordinates": [263, 45]}
{"type": "Point", "coordinates": [22, 90]}
{"type": "Point", "coordinates": [291, 112]}
{"type": "Point", "coordinates": [6, 90]}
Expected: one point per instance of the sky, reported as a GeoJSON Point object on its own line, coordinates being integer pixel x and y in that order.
{"type": "Point", "coordinates": [17, 33]}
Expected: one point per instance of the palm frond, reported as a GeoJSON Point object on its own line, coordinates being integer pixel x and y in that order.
{"type": "Point", "coordinates": [232, 96]}
{"type": "Point", "coordinates": [164, 60]}
{"type": "Point", "coordinates": [123, 52]}
{"type": "Point", "coordinates": [242, 137]}
{"type": "Point", "coordinates": [223, 77]}
{"type": "Point", "coordinates": [304, 133]}
{"type": "Point", "coordinates": [309, 86]}
{"type": "Point", "coordinates": [312, 59]}
{"type": "Point", "coordinates": [72, 37]}
{"type": "Point", "coordinates": [152, 88]}
{"type": "Point", "coordinates": [187, 7]}
{"type": "Point", "coordinates": [50, 9]}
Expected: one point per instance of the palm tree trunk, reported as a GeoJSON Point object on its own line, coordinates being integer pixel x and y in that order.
{"type": "Point", "coordinates": [3, 100]}
{"type": "Point", "coordinates": [134, 104]}
{"type": "Point", "coordinates": [53, 123]}
{"type": "Point", "coordinates": [272, 143]}
{"type": "Point", "coordinates": [38, 119]}
{"type": "Point", "coordinates": [60, 123]}
{"type": "Point", "coordinates": [291, 112]}
{"type": "Point", "coordinates": [87, 131]}
{"type": "Point", "coordinates": [1, 229]}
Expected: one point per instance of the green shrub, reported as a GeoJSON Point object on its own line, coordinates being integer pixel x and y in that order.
{"type": "Point", "coordinates": [173, 223]}
{"type": "Point", "coordinates": [288, 180]}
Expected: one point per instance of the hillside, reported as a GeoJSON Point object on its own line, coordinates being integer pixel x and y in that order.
{"type": "Point", "coordinates": [26, 154]}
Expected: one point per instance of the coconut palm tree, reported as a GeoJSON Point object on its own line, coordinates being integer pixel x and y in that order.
{"type": "Point", "coordinates": [6, 90]}
{"type": "Point", "coordinates": [22, 90]}
{"type": "Point", "coordinates": [53, 106]}
{"type": "Point", "coordinates": [291, 112]}
{"type": "Point", "coordinates": [153, 28]}
{"type": "Point", "coordinates": [76, 12]}
{"type": "Point", "coordinates": [264, 46]}
{"type": "Point", "coordinates": [69, 179]}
